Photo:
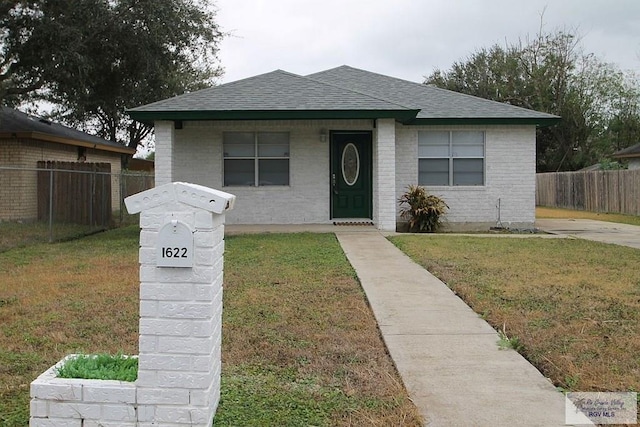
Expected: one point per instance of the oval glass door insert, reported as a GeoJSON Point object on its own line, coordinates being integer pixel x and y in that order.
{"type": "Point", "coordinates": [350, 164]}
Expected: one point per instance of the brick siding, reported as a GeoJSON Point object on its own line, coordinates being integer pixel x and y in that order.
{"type": "Point", "coordinates": [198, 159]}
{"type": "Point", "coordinates": [510, 153]}
{"type": "Point", "coordinates": [510, 172]}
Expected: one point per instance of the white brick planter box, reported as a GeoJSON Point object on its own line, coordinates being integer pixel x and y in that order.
{"type": "Point", "coordinates": [71, 402]}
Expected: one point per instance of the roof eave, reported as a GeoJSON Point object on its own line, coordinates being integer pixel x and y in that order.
{"type": "Point", "coordinates": [448, 121]}
{"type": "Point", "coordinates": [405, 116]}
{"type": "Point", "coordinates": [626, 156]}
{"type": "Point", "coordinates": [151, 116]}
{"type": "Point", "coordinates": [40, 136]}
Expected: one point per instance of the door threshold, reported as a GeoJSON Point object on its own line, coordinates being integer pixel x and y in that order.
{"type": "Point", "coordinates": [353, 221]}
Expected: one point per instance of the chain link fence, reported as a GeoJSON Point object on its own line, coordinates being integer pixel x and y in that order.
{"type": "Point", "coordinates": [62, 200]}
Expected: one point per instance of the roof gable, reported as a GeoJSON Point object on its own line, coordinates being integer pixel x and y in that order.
{"type": "Point", "coordinates": [277, 90]}
{"type": "Point", "coordinates": [266, 95]}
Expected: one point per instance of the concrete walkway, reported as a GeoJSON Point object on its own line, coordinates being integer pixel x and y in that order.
{"type": "Point", "coordinates": [599, 231]}
{"type": "Point", "coordinates": [447, 356]}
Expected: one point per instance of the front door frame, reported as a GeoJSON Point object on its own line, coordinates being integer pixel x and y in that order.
{"type": "Point", "coordinates": [367, 172]}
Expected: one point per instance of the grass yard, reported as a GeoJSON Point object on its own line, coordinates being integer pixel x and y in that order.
{"type": "Point", "coordinates": [300, 344]}
{"type": "Point", "coordinates": [543, 212]}
{"type": "Point", "coordinates": [55, 299]}
{"type": "Point", "coordinates": [574, 305]}
{"type": "Point", "coordinates": [15, 234]}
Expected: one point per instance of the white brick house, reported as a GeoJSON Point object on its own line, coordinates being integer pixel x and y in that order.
{"type": "Point", "coordinates": [343, 145]}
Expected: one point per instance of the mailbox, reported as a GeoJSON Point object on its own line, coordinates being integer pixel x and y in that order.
{"type": "Point", "coordinates": [175, 243]}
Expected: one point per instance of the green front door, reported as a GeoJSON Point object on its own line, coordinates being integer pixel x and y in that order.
{"type": "Point", "coordinates": [351, 175]}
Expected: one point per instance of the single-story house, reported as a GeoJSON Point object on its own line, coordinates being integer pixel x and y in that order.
{"type": "Point", "coordinates": [631, 154]}
{"type": "Point", "coordinates": [25, 140]}
{"type": "Point", "coordinates": [342, 145]}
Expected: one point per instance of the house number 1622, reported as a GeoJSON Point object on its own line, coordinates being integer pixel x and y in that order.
{"type": "Point", "coordinates": [175, 245]}
{"type": "Point", "coordinates": [174, 253]}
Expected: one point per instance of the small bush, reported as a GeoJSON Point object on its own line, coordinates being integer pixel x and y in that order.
{"type": "Point", "coordinates": [423, 211]}
{"type": "Point", "coordinates": [100, 367]}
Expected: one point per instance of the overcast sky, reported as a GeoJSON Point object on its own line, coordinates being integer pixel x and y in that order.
{"type": "Point", "coordinates": [409, 38]}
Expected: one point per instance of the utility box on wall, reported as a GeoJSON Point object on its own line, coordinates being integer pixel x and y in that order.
{"type": "Point", "coordinates": [181, 270]}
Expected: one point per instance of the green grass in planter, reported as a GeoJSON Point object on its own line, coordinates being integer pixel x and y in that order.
{"type": "Point", "coordinates": [100, 367]}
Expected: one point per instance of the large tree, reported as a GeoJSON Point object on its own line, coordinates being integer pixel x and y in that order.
{"type": "Point", "coordinates": [94, 58]}
{"type": "Point", "coordinates": [19, 67]}
{"type": "Point", "coordinates": [550, 73]}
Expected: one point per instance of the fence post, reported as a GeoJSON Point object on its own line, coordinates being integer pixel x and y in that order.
{"type": "Point", "coordinates": [51, 206]}
{"type": "Point", "coordinates": [104, 205]}
{"type": "Point", "coordinates": [121, 196]}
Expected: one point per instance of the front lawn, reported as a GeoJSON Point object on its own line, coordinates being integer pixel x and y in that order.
{"type": "Point", "coordinates": [19, 234]}
{"type": "Point", "coordinates": [75, 297]}
{"type": "Point", "coordinates": [300, 344]}
{"type": "Point", "coordinates": [574, 305]}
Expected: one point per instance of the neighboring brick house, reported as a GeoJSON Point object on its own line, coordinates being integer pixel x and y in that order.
{"type": "Point", "coordinates": [630, 154]}
{"type": "Point", "coordinates": [25, 140]}
{"type": "Point", "coordinates": [343, 145]}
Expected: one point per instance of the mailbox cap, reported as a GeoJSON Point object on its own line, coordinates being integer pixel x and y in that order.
{"type": "Point", "coordinates": [195, 195]}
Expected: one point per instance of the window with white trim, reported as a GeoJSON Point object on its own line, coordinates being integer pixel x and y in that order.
{"type": "Point", "coordinates": [451, 158]}
{"type": "Point", "coordinates": [256, 158]}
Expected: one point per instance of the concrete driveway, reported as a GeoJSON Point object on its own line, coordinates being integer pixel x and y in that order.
{"type": "Point", "coordinates": [599, 231]}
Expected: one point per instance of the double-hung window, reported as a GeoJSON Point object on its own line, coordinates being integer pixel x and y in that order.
{"type": "Point", "coordinates": [451, 157]}
{"type": "Point", "coordinates": [256, 158]}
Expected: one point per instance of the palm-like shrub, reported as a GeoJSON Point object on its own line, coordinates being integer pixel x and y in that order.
{"type": "Point", "coordinates": [423, 210]}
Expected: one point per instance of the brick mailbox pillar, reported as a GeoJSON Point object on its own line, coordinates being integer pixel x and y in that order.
{"type": "Point", "coordinates": [181, 264]}
{"type": "Point", "coordinates": [181, 257]}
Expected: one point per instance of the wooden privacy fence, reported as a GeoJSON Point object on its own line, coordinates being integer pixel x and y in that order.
{"type": "Point", "coordinates": [78, 193]}
{"type": "Point", "coordinates": [133, 182]}
{"type": "Point", "coordinates": [616, 191]}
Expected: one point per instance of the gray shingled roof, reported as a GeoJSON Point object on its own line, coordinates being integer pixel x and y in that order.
{"type": "Point", "coordinates": [433, 102]}
{"type": "Point", "coordinates": [16, 122]}
{"type": "Point", "coordinates": [633, 151]}
{"type": "Point", "coordinates": [342, 92]}
{"type": "Point", "coordinates": [277, 90]}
